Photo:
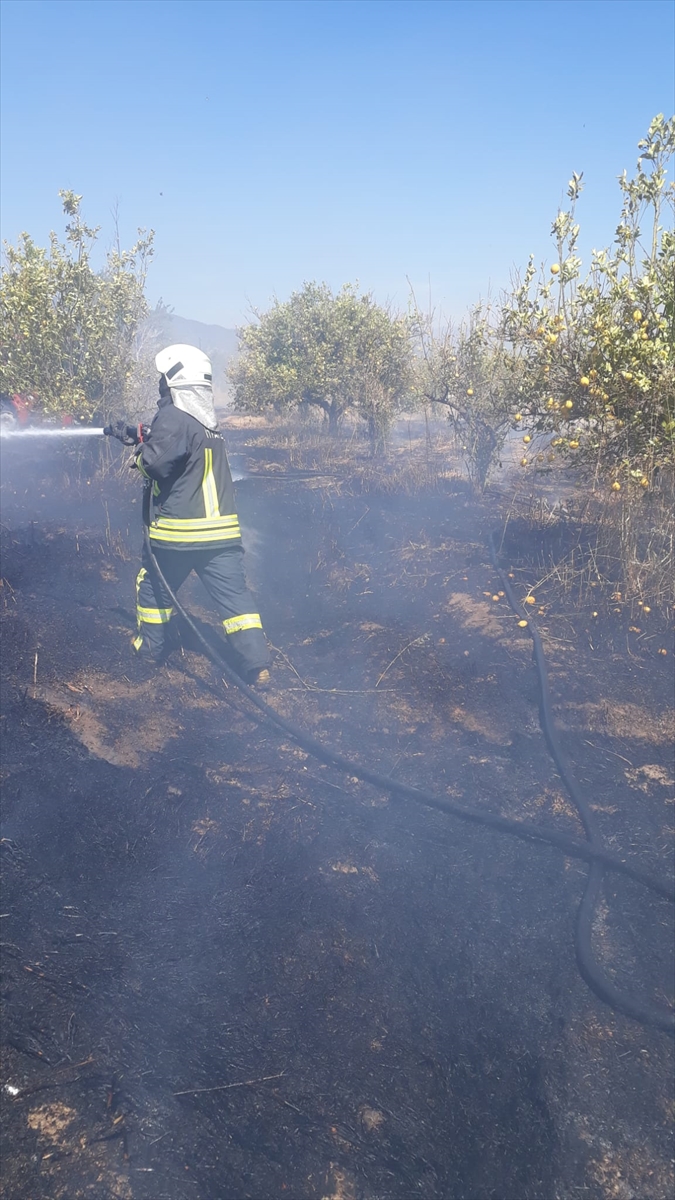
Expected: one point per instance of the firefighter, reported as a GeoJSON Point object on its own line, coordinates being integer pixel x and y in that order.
{"type": "Point", "coordinates": [193, 525]}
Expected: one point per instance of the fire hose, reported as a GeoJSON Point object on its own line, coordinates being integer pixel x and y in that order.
{"type": "Point", "coordinates": [590, 851]}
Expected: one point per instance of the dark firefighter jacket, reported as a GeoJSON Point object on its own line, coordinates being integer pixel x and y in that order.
{"type": "Point", "coordinates": [193, 496]}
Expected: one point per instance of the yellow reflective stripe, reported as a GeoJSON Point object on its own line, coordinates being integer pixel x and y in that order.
{"type": "Point", "coordinates": [246, 621]}
{"type": "Point", "coordinates": [154, 616]}
{"type": "Point", "coordinates": [209, 489]}
{"type": "Point", "coordinates": [137, 643]}
{"type": "Point", "coordinates": [213, 535]}
{"type": "Point", "coordinates": [140, 466]}
{"type": "Point", "coordinates": [194, 522]}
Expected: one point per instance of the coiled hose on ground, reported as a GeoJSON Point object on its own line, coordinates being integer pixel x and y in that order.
{"type": "Point", "coordinates": [590, 851]}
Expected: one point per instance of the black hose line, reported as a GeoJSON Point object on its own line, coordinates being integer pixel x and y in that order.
{"type": "Point", "coordinates": [590, 851]}
{"type": "Point", "coordinates": [594, 976]}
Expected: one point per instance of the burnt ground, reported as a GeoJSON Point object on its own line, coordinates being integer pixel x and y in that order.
{"type": "Point", "coordinates": [230, 971]}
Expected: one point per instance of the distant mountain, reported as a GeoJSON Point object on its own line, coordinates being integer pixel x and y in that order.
{"type": "Point", "coordinates": [219, 343]}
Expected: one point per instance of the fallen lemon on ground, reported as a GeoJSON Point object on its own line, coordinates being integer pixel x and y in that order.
{"type": "Point", "coordinates": [530, 600]}
{"type": "Point", "coordinates": [644, 482]}
{"type": "Point", "coordinates": [522, 624]}
{"type": "Point", "coordinates": [574, 445]}
{"type": "Point", "coordinates": [616, 486]}
{"type": "Point", "coordinates": [495, 597]}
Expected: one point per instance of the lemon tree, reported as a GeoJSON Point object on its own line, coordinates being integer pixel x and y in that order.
{"type": "Point", "coordinates": [68, 330]}
{"type": "Point", "coordinates": [596, 353]}
{"type": "Point", "coordinates": [473, 375]}
{"type": "Point", "coordinates": [336, 353]}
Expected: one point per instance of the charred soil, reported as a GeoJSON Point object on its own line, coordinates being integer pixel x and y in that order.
{"type": "Point", "coordinates": [230, 971]}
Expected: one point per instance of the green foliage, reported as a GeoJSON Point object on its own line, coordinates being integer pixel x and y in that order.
{"type": "Point", "coordinates": [68, 331]}
{"type": "Point", "coordinates": [339, 353]}
{"type": "Point", "coordinates": [597, 355]}
{"type": "Point", "coordinates": [473, 376]}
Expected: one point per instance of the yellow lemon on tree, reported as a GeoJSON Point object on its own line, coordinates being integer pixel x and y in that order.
{"type": "Point", "coordinates": [523, 462]}
{"type": "Point", "coordinates": [469, 391]}
{"type": "Point", "coordinates": [574, 445]}
{"type": "Point", "coordinates": [637, 315]}
{"type": "Point", "coordinates": [527, 438]}
{"type": "Point", "coordinates": [518, 417]}
{"type": "Point", "coordinates": [555, 270]}
{"type": "Point", "coordinates": [569, 404]}
{"type": "Point", "coordinates": [585, 381]}
{"type": "Point", "coordinates": [644, 482]}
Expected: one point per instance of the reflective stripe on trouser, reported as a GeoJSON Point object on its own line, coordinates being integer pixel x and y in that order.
{"type": "Point", "coordinates": [222, 573]}
{"type": "Point", "coordinates": [153, 613]}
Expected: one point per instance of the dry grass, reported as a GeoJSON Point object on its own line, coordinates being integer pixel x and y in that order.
{"type": "Point", "coordinates": [592, 542]}
{"type": "Point", "coordinates": [418, 457]}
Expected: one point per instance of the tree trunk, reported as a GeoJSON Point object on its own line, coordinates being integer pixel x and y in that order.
{"type": "Point", "coordinates": [334, 415]}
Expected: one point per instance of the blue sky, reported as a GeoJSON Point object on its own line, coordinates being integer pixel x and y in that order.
{"type": "Point", "coordinates": [270, 143]}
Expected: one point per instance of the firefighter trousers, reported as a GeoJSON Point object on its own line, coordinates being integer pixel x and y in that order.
{"type": "Point", "coordinates": [222, 573]}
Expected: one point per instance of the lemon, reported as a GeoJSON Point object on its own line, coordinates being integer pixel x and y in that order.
{"type": "Point", "coordinates": [644, 482]}
{"type": "Point", "coordinates": [574, 445]}
{"type": "Point", "coordinates": [616, 486]}
{"type": "Point", "coordinates": [522, 624]}
{"type": "Point", "coordinates": [469, 391]}
{"type": "Point", "coordinates": [569, 404]}
{"type": "Point", "coordinates": [527, 438]}
{"type": "Point", "coordinates": [555, 270]}
{"type": "Point", "coordinates": [523, 462]}
{"type": "Point", "coordinates": [495, 597]}
{"type": "Point", "coordinates": [637, 315]}
{"type": "Point", "coordinates": [646, 608]}
{"type": "Point", "coordinates": [585, 381]}
{"type": "Point", "coordinates": [518, 417]}
{"type": "Point", "coordinates": [530, 600]}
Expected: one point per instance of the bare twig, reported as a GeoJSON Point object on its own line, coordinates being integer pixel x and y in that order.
{"type": "Point", "coordinates": [415, 642]}
{"type": "Point", "coordinates": [224, 1087]}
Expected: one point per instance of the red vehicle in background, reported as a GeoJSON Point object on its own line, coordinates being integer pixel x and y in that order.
{"type": "Point", "coordinates": [15, 410]}
{"type": "Point", "coordinates": [18, 409]}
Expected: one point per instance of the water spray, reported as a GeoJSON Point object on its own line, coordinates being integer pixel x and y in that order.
{"type": "Point", "coordinates": [66, 432]}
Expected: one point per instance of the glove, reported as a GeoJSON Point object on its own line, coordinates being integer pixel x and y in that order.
{"type": "Point", "coordinates": [128, 435]}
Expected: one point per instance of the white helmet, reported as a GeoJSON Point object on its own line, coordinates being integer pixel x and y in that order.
{"type": "Point", "coordinates": [187, 371]}
{"type": "Point", "coordinates": [184, 365]}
